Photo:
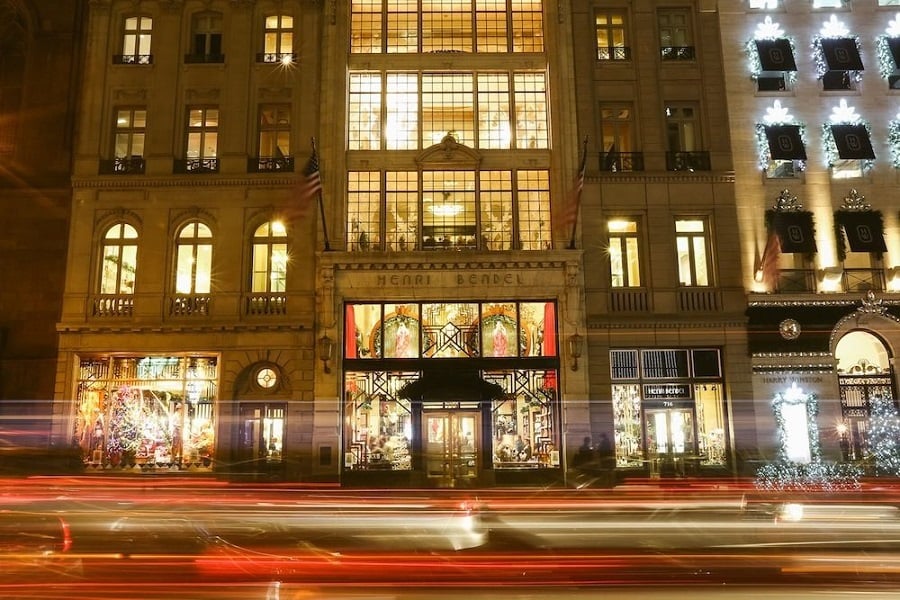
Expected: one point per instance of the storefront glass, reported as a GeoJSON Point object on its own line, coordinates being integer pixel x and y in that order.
{"type": "Point", "coordinates": [525, 431]}
{"type": "Point", "coordinates": [378, 423]}
{"type": "Point", "coordinates": [146, 413]}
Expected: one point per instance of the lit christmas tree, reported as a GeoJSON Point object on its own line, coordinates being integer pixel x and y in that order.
{"type": "Point", "coordinates": [884, 436]}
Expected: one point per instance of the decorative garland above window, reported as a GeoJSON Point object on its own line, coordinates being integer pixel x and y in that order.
{"type": "Point", "coordinates": [886, 65]}
{"type": "Point", "coordinates": [833, 29]}
{"type": "Point", "coordinates": [843, 114]}
{"type": "Point", "coordinates": [776, 115]}
{"type": "Point", "coordinates": [768, 30]}
{"type": "Point", "coordinates": [894, 141]}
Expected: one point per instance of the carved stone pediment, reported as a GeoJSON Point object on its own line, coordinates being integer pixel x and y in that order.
{"type": "Point", "coordinates": [449, 154]}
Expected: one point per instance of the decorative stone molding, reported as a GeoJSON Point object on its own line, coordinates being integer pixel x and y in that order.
{"type": "Point", "coordinates": [449, 154]}
{"type": "Point", "coordinates": [119, 214]}
{"type": "Point", "coordinates": [191, 214]}
{"type": "Point", "coordinates": [274, 94]}
{"type": "Point", "coordinates": [124, 95]}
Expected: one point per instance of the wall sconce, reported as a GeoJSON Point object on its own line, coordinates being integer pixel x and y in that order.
{"type": "Point", "coordinates": [326, 351]}
{"type": "Point", "coordinates": [575, 341]}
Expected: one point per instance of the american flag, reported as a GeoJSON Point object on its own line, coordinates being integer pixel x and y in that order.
{"type": "Point", "coordinates": [311, 185]}
{"type": "Point", "coordinates": [767, 271]}
{"type": "Point", "coordinates": [570, 216]}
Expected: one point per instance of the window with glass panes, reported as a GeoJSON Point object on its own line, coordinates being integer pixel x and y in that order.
{"type": "Point", "coordinates": [278, 39]}
{"type": "Point", "coordinates": [616, 137]}
{"type": "Point", "coordinates": [270, 258]}
{"type": "Point", "coordinates": [275, 131]}
{"type": "Point", "coordinates": [203, 132]}
{"type": "Point", "coordinates": [136, 40]}
{"type": "Point", "coordinates": [130, 129]}
{"type": "Point", "coordinates": [440, 26]}
{"type": "Point", "coordinates": [118, 259]}
{"type": "Point", "coordinates": [692, 252]}
{"type": "Point", "coordinates": [610, 28]}
{"type": "Point", "coordinates": [207, 42]}
{"type": "Point", "coordinates": [453, 210]}
{"type": "Point", "coordinates": [624, 253]}
{"type": "Point", "coordinates": [408, 111]}
{"type": "Point", "coordinates": [193, 259]}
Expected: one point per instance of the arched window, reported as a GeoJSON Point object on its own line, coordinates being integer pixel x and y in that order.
{"type": "Point", "coordinates": [270, 258]}
{"type": "Point", "coordinates": [119, 259]}
{"type": "Point", "coordinates": [193, 256]}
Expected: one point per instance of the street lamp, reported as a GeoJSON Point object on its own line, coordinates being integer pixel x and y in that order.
{"type": "Point", "coordinates": [574, 342]}
{"type": "Point", "coordinates": [326, 351]}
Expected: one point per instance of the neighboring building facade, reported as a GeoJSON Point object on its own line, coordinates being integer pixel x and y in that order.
{"type": "Point", "coordinates": [39, 70]}
{"type": "Point", "coordinates": [813, 100]}
{"type": "Point", "coordinates": [669, 370]}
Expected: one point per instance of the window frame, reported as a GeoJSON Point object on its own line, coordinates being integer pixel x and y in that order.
{"type": "Point", "coordinates": [204, 161]}
{"type": "Point", "coordinates": [128, 237]}
{"type": "Point", "coordinates": [139, 39]}
{"type": "Point", "coordinates": [630, 253]}
{"type": "Point", "coordinates": [265, 235]}
{"type": "Point", "coordinates": [194, 243]}
{"type": "Point", "coordinates": [667, 48]}
{"type": "Point", "coordinates": [276, 49]}
{"type": "Point", "coordinates": [612, 51]}
{"type": "Point", "coordinates": [209, 26]}
{"type": "Point", "coordinates": [694, 267]}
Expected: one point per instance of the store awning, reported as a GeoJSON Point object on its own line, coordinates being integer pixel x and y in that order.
{"type": "Point", "coordinates": [785, 142]}
{"type": "Point", "coordinates": [776, 55]}
{"type": "Point", "coordinates": [864, 230]}
{"type": "Point", "coordinates": [441, 384]}
{"type": "Point", "coordinates": [894, 46]}
{"type": "Point", "coordinates": [842, 54]}
{"type": "Point", "coordinates": [853, 142]}
{"type": "Point", "coordinates": [795, 231]}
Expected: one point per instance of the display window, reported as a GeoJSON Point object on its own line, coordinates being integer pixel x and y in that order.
{"type": "Point", "coordinates": [146, 413]}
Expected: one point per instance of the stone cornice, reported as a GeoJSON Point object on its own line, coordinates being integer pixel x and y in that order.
{"type": "Point", "coordinates": [666, 177]}
{"type": "Point", "coordinates": [177, 328]}
{"type": "Point", "coordinates": [673, 324]}
{"type": "Point", "coordinates": [434, 261]}
{"type": "Point", "coordinates": [122, 182]}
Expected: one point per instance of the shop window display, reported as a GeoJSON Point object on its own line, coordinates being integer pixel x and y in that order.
{"type": "Point", "coordinates": [524, 422]}
{"type": "Point", "coordinates": [146, 413]}
{"type": "Point", "coordinates": [380, 423]}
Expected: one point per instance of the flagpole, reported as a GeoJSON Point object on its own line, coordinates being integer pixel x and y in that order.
{"type": "Point", "coordinates": [321, 202]}
{"type": "Point", "coordinates": [577, 199]}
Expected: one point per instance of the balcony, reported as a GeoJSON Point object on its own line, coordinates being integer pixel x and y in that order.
{"type": "Point", "coordinates": [270, 164]}
{"type": "Point", "coordinates": [688, 161]}
{"type": "Point", "coordinates": [699, 299]}
{"type": "Point", "coordinates": [189, 305]}
{"type": "Point", "coordinates": [132, 59]}
{"type": "Point", "coordinates": [204, 59]}
{"type": "Point", "coordinates": [196, 165]}
{"type": "Point", "coordinates": [794, 281]}
{"type": "Point", "coordinates": [614, 53]}
{"type": "Point", "coordinates": [265, 304]}
{"type": "Point", "coordinates": [677, 53]}
{"type": "Point", "coordinates": [276, 57]}
{"type": "Point", "coordinates": [130, 165]}
{"type": "Point", "coordinates": [113, 305]}
{"type": "Point", "coordinates": [862, 280]}
{"type": "Point", "coordinates": [629, 300]}
{"type": "Point", "coordinates": [617, 162]}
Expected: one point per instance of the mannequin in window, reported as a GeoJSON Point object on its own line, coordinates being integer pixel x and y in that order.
{"type": "Point", "coordinates": [402, 339]}
{"type": "Point", "coordinates": [500, 339]}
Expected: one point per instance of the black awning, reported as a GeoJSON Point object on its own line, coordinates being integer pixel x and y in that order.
{"type": "Point", "coordinates": [853, 142]}
{"type": "Point", "coordinates": [864, 230]}
{"type": "Point", "coordinates": [795, 231]}
{"type": "Point", "coordinates": [785, 142]}
{"type": "Point", "coordinates": [894, 46]}
{"type": "Point", "coordinates": [776, 55]}
{"type": "Point", "coordinates": [439, 384]}
{"type": "Point", "coordinates": [842, 54]}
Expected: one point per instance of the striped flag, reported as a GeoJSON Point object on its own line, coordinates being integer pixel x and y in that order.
{"type": "Point", "coordinates": [767, 270]}
{"type": "Point", "coordinates": [311, 186]}
{"type": "Point", "coordinates": [570, 216]}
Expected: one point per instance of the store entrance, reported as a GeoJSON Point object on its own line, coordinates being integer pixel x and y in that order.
{"type": "Point", "coordinates": [260, 437]}
{"type": "Point", "coordinates": [670, 440]}
{"type": "Point", "coordinates": [452, 446]}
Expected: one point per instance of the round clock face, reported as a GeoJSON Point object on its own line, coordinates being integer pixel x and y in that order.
{"type": "Point", "coordinates": [789, 329]}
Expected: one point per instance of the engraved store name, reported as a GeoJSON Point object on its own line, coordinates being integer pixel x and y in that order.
{"type": "Point", "coordinates": [425, 279]}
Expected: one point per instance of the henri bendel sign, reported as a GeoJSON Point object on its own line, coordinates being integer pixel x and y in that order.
{"type": "Point", "coordinates": [667, 391]}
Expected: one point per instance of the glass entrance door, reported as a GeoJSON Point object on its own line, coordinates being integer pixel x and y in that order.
{"type": "Point", "coordinates": [452, 443]}
{"type": "Point", "coordinates": [670, 438]}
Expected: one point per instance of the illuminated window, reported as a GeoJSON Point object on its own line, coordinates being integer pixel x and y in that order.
{"type": "Point", "coordinates": [193, 259]}
{"type": "Point", "coordinates": [624, 257]}
{"type": "Point", "coordinates": [617, 138]}
{"type": "Point", "coordinates": [453, 210]}
{"type": "Point", "coordinates": [119, 259]}
{"type": "Point", "coordinates": [128, 140]}
{"type": "Point", "coordinates": [408, 111]}
{"type": "Point", "coordinates": [206, 45]}
{"type": "Point", "coordinates": [763, 4]}
{"type": "Point", "coordinates": [691, 243]}
{"type": "Point", "coordinates": [270, 258]}
{"type": "Point", "coordinates": [201, 148]}
{"type": "Point", "coordinates": [278, 40]}
{"type": "Point", "coordinates": [274, 152]}
{"type": "Point", "coordinates": [136, 41]}
{"type": "Point", "coordinates": [682, 131]}
{"type": "Point", "coordinates": [440, 26]}
{"type": "Point", "coordinates": [610, 28]}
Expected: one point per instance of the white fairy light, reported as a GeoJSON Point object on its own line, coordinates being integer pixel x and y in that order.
{"type": "Point", "coordinates": [832, 28]}
{"type": "Point", "coordinates": [844, 113]}
{"type": "Point", "coordinates": [893, 28]}
{"type": "Point", "coordinates": [768, 30]}
{"type": "Point", "coordinates": [777, 114]}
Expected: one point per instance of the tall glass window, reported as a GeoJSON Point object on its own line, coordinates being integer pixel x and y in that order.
{"type": "Point", "coordinates": [278, 39]}
{"type": "Point", "coordinates": [407, 26]}
{"type": "Point", "coordinates": [128, 139]}
{"type": "Point", "coordinates": [207, 38]}
{"type": "Point", "coordinates": [691, 243]}
{"type": "Point", "coordinates": [275, 131]}
{"type": "Point", "coordinates": [624, 256]}
{"type": "Point", "coordinates": [193, 256]}
{"type": "Point", "coordinates": [202, 144]}
{"type": "Point", "coordinates": [136, 40]}
{"type": "Point", "coordinates": [681, 128]}
{"type": "Point", "coordinates": [119, 259]}
{"type": "Point", "coordinates": [270, 258]}
{"type": "Point", "coordinates": [610, 28]}
{"type": "Point", "coordinates": [408, 111]}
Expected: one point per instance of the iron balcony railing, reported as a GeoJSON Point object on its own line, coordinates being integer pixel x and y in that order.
{"type": "Point", "coordinates": [270, 164]}
{"type": "Point", "coordinates": [795, 281]}
{"type": "Point", "coordinates": [130, 165]}
{"type": "Point", "coordinates": [863, 280]}
{"type": "Point", "coordinates": [196, 165]}
{"type": "Point", "coordinates": [276, 57]}
{"type": "Point", "coordinates": [132, 59]}
{"type": "Point", "coordinates": [614, 53]}
{"type": "Point", "coordinates": [688, 161]}
{"type": "Point", "coordinates": [621, 161]}
{"type": "Point", "coordinates": [677, 53]}
{"type": "Point", "coordinates": [204, 58]}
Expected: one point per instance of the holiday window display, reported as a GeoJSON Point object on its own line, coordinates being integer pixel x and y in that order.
{"type": "Point", "coordinates": [146, 413]}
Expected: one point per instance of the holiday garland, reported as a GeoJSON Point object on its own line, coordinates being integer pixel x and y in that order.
{"type": "Point", "coordinates": [822, 63]}
{"type": "Point", "coordinates": [840, 239]}
{"type": "Point", "coordinates": [894, 142]}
